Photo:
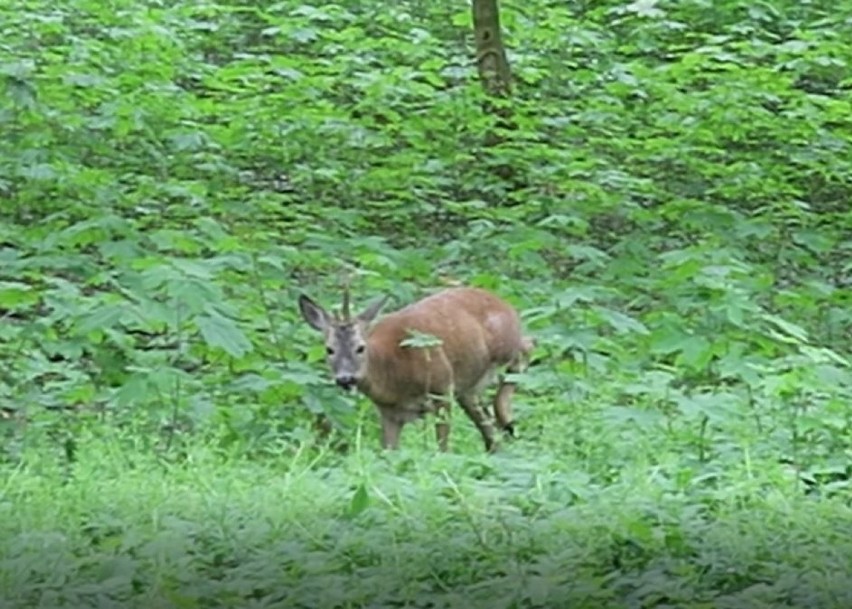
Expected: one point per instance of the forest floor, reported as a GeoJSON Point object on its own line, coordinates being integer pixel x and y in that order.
{"type": "Point", "coordinates": [523, 528]}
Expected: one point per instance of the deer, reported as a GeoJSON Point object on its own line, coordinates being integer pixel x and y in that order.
{"type": "Point", "coordinates": [471, 333]}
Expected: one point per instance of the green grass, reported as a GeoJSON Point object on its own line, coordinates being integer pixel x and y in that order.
{"type": "Point", "coordinates": [535, 526]}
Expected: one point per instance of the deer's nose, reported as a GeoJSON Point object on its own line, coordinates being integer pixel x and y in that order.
{"type": "Point", "coordinates": [347, 381]}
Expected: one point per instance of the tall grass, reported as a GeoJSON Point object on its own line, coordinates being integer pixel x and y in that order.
{"type": "Point", "coordinates": [524, 528]}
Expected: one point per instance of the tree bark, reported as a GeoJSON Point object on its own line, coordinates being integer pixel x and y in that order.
{"type": "Point", "coordinates": [491, 60]}
{"type": "Point", "coordinates": [494, 73]}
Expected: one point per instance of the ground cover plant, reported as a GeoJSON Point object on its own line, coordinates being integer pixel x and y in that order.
{"type": "Point", "coordinates": [668, 204]}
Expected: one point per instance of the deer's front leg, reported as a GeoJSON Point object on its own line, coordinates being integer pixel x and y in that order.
{"type": "Point", "coordinates": [391, 429]}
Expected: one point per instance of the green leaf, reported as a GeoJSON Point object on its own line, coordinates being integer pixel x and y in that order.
{"type": "Point", "coordinates": [665, 340]}
{"type": "Point", "coordinates": [222, 333]}
{"type": "Point", "coordinates": [645, 8]}
{"type": "Point", "coordinates": [695, 352]}
{"type": "Point", "coordinates": [360, 501]}
{"type": "Point", "coordinates": [420, 340]}
{"type": "Point", "coordinates": [134, 390]}
{"type": "Point", "coordinates": [250, 383]}
{"type": "Point", "coordinates": [15, 293]}
{"type": "Point", "coordinates": [790, 331]}
{"type": "Point", "coordinates": [622, 323]}
{"type": "Point", "coordinates": [101, 317]}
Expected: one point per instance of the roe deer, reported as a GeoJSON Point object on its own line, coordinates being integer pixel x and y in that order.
{"type": "Point", "coordinates": [477, 331]}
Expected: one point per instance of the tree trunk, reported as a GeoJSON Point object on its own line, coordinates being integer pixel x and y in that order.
{"type": "Point", "coordinates": [491, 58]}
{"type": "Point", "coordinates": [494, 72]}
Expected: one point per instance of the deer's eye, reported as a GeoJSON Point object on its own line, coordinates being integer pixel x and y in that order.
{"type": "Point", "coordinates": [359, 349]}
{"type": "Point", "coordinates": [329, 350]}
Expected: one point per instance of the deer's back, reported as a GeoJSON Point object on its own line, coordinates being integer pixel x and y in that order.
{"type": "Point", "coordinates": [478, 331]}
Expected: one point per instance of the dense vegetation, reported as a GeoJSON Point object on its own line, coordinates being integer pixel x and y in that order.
{"type": "Point", "coordinates": [675, 226]}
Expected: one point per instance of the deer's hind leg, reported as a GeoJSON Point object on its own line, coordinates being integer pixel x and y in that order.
{"type": "Point", "coordinates": [506, 389]}
{"type": "Point", "coordinates": [442, 424]}
{"type": "Point", "coordinates": [480, 417]}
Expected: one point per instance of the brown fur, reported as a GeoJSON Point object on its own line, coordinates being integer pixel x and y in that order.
{"type": "Point", "coordinates": [479, 333]}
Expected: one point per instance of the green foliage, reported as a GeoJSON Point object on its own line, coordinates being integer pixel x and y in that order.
{"type": "Point", "coordinates": [677, 233]}
{"type": "Point", "coordinates": [448, 531]}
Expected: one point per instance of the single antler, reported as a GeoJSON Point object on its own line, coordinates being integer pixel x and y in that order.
{"type": "Point", "coordinates": [346, 310]}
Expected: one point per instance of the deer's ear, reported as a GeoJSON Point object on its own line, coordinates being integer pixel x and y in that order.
{"type": "Point", "coordinates": [369, 314]}
{"type": "Point", "coordinates": [315, 315]}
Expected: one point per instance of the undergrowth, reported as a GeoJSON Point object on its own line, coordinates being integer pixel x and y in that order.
{"type": "Point", "coordinates": [675, 230]}
{"type": "Point", "coordinates": [529, 527]}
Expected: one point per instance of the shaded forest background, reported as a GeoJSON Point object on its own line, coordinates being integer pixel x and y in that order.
{"type": "Point", "coordinates": [675, 227]}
